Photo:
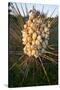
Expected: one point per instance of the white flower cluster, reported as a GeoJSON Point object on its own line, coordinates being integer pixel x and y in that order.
{"type": "Point", "coordinates": [35, 35]}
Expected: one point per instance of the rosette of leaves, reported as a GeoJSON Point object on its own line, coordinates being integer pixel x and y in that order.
{"type": "Point", "coordinates": [33, 47]}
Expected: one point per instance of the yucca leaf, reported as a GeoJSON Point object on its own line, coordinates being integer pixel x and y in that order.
{"type": "Point", "coordinates": [25, 73]}
{"type": "Point", "coordinates": [14, 25]}
{"type": "Point", "coordinates": [50, 47]}
{"type": "Point", "coordinates": [20, 17]}
{"type": "Point", "coordinates": [47, 12]}
{"type": "Point", "coordinates": [15, 63]}
{"type": "Point", "coordinates": [42, 9]}
{"type": "Point", "coordinates": [53, 23]}
{"type": "Point", "coordinates": [22, 10]}
{"type": "Point", "coordinates": [44, 70]}
{"type": "Point", "coordinates": [50, 16]}
{"type": "Point", "coordinates": [26, 9]}
{"type": "Point", "coordinates": [51, 53]}
{"type": "Point", "coordinates": [16, 52]}
{"type": "Point", "coordinates": [15, 35]}
{"type": "Point", "coordinates": [49, 58]}
{"type": "Point", "coordinates": [17, 8]}
{"type": "Point", "coordinates": [21, 21]}
{"type": "Point", "coordinates": [52, 12]}
{"type": "Point", "coordinates": [14, 9]}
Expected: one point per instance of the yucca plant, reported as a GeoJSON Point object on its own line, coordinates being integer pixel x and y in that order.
{"type": "Point", "coordinates": [33, 53]}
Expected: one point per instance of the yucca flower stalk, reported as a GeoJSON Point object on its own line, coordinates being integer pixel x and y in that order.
{"type": "Point", "coordinates": [32, 35]}
{"type": "Point", "coordinates": [35, 34]}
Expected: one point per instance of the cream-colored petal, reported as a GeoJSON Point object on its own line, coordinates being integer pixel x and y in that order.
{"type": "Point", "coordinates": [34, 36]}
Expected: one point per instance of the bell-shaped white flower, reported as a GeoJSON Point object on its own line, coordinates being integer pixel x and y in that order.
{"type": "Point", "coordinates": [34, 36]}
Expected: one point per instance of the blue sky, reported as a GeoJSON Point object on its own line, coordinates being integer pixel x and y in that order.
{"type": "Point", "coordinates": [39, 7]}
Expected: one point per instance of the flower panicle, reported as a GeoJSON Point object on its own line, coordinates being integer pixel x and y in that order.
{"type": "Point", "coordinates": [35, 35]}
